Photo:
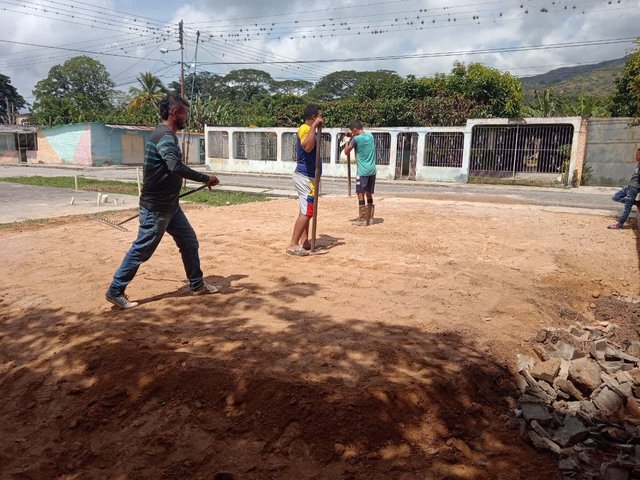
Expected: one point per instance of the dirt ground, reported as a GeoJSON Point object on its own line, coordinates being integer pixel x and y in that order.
{"type": "Point", "coordinates": [389, 356]}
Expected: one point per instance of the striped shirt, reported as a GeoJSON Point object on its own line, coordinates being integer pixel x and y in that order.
{"type": "Point", "coordinates": [164, 171]}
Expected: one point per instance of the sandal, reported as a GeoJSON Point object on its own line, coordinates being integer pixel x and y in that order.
{"type": "Point", "coordinates": [615, 226]}
{"type": "Point", "coordinates": [297, 252]}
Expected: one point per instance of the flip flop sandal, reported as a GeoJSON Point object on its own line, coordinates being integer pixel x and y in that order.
{"type": "Point", "coordinates": [297, 252]}
{"type": "Point", "coordinates": [615, 226]}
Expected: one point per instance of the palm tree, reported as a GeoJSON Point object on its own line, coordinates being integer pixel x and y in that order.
{"type": "Point", "coordinates": [151, 92]}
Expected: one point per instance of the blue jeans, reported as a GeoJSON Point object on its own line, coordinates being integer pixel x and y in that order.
{"type": "Point", "coordinates": [627, 196]}
{"type": "Point", "coordinates": [150, 232]}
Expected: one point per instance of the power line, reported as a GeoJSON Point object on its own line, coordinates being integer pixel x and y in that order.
{"type": "Point", "coordinates": [442, 54]}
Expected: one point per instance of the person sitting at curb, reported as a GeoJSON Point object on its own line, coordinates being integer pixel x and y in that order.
{"type": "Point", "coordinates": [628, 196]}
{"type": "Point", "coordinates": [303, 179]}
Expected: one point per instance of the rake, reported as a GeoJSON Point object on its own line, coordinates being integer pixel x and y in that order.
{"type": "Point", "coordinates": [118, 225]}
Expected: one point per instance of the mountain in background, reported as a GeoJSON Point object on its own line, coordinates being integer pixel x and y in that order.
{"type": "Point", "coordinates": [593, 80]}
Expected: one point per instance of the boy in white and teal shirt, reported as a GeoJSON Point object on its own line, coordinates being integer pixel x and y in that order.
{"type": "Point", "coordinates": [365, 146]}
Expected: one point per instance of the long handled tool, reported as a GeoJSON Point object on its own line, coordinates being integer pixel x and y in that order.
{"type": "Point", "coordinates": [316, 185]}
{"type": "Point", "coordinates": [119, 226]}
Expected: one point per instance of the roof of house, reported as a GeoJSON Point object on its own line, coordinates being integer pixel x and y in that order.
{"type": "Point", "coordinates": [18, 129]}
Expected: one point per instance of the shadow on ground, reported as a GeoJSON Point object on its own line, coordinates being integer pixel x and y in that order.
{"type": "Point", "coordinates": [208, 388]}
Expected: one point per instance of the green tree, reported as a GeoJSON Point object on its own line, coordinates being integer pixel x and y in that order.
{"type": "Point", "coordinates": [10, 100]}
{"type": "Point", "coordinates": [150, 92]}
{"type": "Point", "coordinates": [500, 93]}
{"type": "Point", "coordinates": [337, 85]}
{"type": "Point", "coordinates": [291, 87]}
{"type": "Point", "coordinates": [625, 101]}
{"type": "Point", "coordinates": [79, 90]}
{"type": "Point", "coordinates": [247, 84]}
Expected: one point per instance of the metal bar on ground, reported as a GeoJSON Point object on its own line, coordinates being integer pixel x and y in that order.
{"type": "Point", "coordinates": [349, 171]}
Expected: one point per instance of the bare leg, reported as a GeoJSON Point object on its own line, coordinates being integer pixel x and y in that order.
{"type": "Point", "coordinates": [300, 229]}
{"type": "Point", "coordinates": [305, 234]}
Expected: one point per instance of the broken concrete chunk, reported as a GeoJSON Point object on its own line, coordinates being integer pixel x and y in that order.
{"type": "Point", "coordinates": [624, 377]}
{"type": "Point", "coordinates": [541, 336]}
{"type": "Point", "coordinates": [622, 390]}
{"type": "Point", "coordinates": [542, 443]}
{"type": "Point", "coordinates": [634, 349]}
{"type": "Point", "coordinates": [563, 374]}
{"type": "Point", "coordinates": [608, 401]}
{"type": "Point", "coordinates": [536, 411]}
{"type": "Point", "coordinates": [525, 362]}
{"type": "Point", "coordinates": [565, 351]}
{"type": "Point", "coordinates": [634, 373]}
{"type": "Point", "coordinates": [588, 411]}
{"type": "Point", "coordinates": [549, 390]}
{"type": "Point", "coordinates": [567, 465]}
{"type": "Point", "coordinates": [585, 374]}
{"type": "Point", "coordinates": [611, 367]}
{"type": "Point", "coordinates": [569, 388]}
{"type": "Point", "coordinates": [546, 371]}
{"type": "Point", "coordinates": [571, 432]}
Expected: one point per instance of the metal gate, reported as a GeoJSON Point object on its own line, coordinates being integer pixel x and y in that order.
{"type": "Point", "coordinates": [535, 152]}
{"type": "Point", "coordinates": [406, 156]}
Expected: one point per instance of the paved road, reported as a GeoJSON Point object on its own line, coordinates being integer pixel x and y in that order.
{"type": "Point", "coordinates": [594, 198]}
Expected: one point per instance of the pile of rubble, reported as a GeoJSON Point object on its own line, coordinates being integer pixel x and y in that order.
{"type": "Point", "coordinates": [580, 399]}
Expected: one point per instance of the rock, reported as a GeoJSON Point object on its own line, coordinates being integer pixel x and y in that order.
{"type": "Point", "coordinates": [595, 294]}
{"type": "Point", "coordinates": [541, 336]}
{"type": "Point", "coordinates": [565, 351]}
{"type": "Point", "coordinates": [541, 353]}
{"type": "Point", "coordinates": [598, 349]}
{"type": "Point", "coordinates": [569, 388]}
{"type": "Point", "coordinates": [611, 367]}
{"type": "Point", "coordinates": [614, 473]}
{"type": "Point", "coordinates": [588, 411]}
{"type": "Point", "coordinates": [546, 371]}
{"type": "Point", "coordinates": [571, 432]}
{"type": "Point", "coordinates": [549, 390]}
{"type": "Point", "coordinates": [536, 411]}
{"type": "Point", "coordinates": [585, 374]}
{"type": "Point", "coordinates": [524, 362]}
{"type": "Point", "coordinates": [567, 464]}
{"type": "Point", "coordinates": [634, 373]}
{"type": "Point", "coordinates": [584, 458]}
{"type": "Point", "coordinates": [624, 377]}
{"type": "Point", "coordinates": [608, 401]}
{"type": "Point", "coordinates": [542, 443]}
{"type": "Point", "coordinates": [539, 429]}
{"type": "Point", "coordinates": [563, 373]}
{"type": "Point", "coordinates": [592, 305]}
{"type": "Point", "coordinates": [622, 390]}
{"type": "Point", "coordinates": [634, 349]}
{"type": "Point", "coordinates": [339, 448]}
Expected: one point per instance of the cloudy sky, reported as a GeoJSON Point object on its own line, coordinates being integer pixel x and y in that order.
{"type": "Point", "coordinates": [306, 40]}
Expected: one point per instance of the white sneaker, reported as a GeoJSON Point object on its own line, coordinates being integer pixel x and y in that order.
{"type": "Point", "coordinates": [206, 289]}
{"type": "Point", "coordinates": [121, 301]}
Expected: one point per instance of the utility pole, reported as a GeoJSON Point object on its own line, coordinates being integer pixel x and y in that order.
{"type": "Point", "coordinates": [181, 40]}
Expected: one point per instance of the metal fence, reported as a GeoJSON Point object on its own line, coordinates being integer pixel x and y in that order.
{"type": "Point", "coordinates": [289, 147]}
{"type": "Point", "coordinates": [443, 149]}
{"type": "Point", "coordinates": [255, 145]}
{"type": "Point", "coordinates": [507, 150]}
{"type": "Point", "coordinates": [383, 148]}
{"type": "Point", "coordinates": [218, 144]}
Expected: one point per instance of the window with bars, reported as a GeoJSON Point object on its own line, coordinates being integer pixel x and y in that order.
{"type": "Point", "coordinates": [520, 148]}
{"type": "Point", "coordinates": [289, 147]}
{"type": "Point", "coordinates": [443, 149]}
{"type": "Point", "coordinates": [218, 144]}
{"type": "Point", "coordinates": [255, 145]}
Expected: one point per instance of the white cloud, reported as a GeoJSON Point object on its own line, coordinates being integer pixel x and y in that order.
{"type": "Point", "coordinates": [460, 25]}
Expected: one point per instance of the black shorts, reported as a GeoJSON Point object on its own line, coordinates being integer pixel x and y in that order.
{"type": "Point", "coordinates": [366, 184]}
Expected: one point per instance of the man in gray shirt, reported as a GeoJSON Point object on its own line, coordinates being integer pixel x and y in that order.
{"type": "Point", "coordinates": [160, 211]}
